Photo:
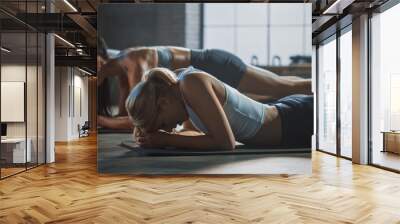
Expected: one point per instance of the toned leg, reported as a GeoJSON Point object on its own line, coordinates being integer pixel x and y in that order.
{"type": "Point", "coordinates": [263, 82]}
{"type": "Point", "coordinates": [292, 77]}
{"type": "Point", "coordinates": [259, 84]}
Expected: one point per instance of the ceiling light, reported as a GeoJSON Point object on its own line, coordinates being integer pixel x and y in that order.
{"type": "Point", "coordinates": [84, 71]}
{"type": "Point", "coordinates": [64, 40]}
{"type": "Point", "coordinates": [338, 6]}
{"type": "Point", "coordinates": [70, 5]}
{"type": "Point", "coordinates": [5, 50]}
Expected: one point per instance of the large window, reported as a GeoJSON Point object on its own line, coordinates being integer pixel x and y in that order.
{"type": "Point", "coordinates": [261, 34]}
{"type": "Point", "coordinates": [334, 106]}
{"type": "Point", "coordinates": [346, 94]}
{"type": "Point", "coordinates": [327, 96]}
{"type": "Point", "coordinates": [385, 88]}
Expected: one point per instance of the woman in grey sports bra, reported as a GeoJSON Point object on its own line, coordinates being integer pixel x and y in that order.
{"type": "Point", "coordinates": [214, 115]}
{"type": "Point", "coordinates": [129, 67]}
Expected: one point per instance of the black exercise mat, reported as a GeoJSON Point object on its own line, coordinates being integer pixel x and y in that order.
{"type": "Point", "coordinates": [113, 131]}
{"type": "Point", "coordinates": [239, 150]}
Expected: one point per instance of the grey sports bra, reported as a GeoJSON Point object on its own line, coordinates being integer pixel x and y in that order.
{"type": "Point", "coordinates": [164, 57]}
{"type": "Point", "coordinates": [245, 116]}
{"type": "Point", "coordinates": [163, 53]}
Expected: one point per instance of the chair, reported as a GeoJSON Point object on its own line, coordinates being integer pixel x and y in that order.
{"type": "Point", "coordinates": [84, 130]}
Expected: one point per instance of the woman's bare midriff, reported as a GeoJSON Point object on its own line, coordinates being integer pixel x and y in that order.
{"type": "Point", "coordinates": [271, 131]}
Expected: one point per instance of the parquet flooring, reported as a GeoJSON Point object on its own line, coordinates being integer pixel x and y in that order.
{"type": "Point", "coordinates": [71, 191]}
{"type": "Point", "coordinates": [10, 171]}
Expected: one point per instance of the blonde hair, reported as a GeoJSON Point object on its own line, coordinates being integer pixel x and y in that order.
{"type": "Point", "coordinates": [142, 102]}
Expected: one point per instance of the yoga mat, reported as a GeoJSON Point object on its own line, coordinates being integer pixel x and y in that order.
{"type": "Point", "coordinates": [239, 150]}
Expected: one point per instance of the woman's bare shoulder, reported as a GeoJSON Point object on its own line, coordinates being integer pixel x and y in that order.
{"type": "Point", "coordinates": [195, 78]}
{"type": "Point", "coordinates": [194, 83]}
{"type": "Point", "coordinates": [199, 84]}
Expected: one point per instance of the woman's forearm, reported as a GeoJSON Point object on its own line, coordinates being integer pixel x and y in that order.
{"type": "Point", "coordinates": [189, 132]}
{"type": "Point", "coordinates": [115, 123]}
{"type": "Point", "coordinates": [199, 141]}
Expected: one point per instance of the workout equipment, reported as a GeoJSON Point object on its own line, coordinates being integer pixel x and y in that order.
{"type": "Point", "coordinates": [239, 150]}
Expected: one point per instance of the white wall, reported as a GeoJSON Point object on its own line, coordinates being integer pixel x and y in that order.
{"type": "Point", "coordinates": [61, 103]}
{"type": "Point", "coordinates": [70, 83]}
{"type": "Point", "coordinates": [12, 73]}
{"type": "Point", "coordinates": [79, 117]}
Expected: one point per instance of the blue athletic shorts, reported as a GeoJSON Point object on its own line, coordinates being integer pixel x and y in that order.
{"type": "Point", "coordinates": [221, 64]}
{"type": "Point", "coordinates": [297, 116]}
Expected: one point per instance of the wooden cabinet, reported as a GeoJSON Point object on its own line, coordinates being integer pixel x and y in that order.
{"type": "Point", "coordinates": [391, 141]}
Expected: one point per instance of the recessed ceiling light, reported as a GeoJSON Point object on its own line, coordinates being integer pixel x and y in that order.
{"type": "Point", "coordinates": [337, 7]}
{"type": "Point", "coordinates": [65, 41]}
{"type": "Point", "coordinates": [5, 50]}
{"type": "Point", "coordinates": [70, 5]}
{"type": "Point", "coordinates": [84, 71]}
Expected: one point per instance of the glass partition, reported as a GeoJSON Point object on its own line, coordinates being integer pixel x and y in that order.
{"type": "Point", "coordinates": [22, 92]}
{"type": "Point", "coordinates": [35, 88]}
{"type": "Point", "coordinates": [14, 153]}
{"type": "Point", "coordinates": [31, 97]}
{"type": "Point", "coordinates": [41, 91]}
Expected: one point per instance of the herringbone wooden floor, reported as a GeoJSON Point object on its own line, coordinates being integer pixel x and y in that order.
{"type": "Point", "coordinates": [70, 191]}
